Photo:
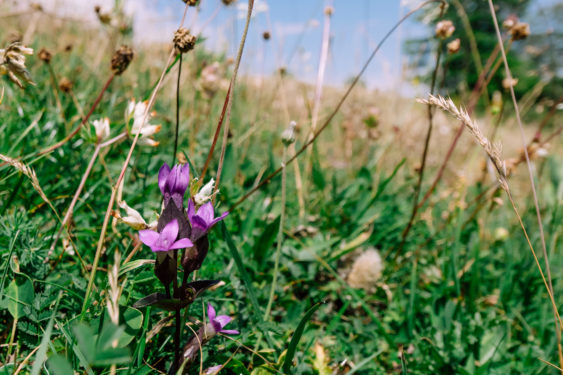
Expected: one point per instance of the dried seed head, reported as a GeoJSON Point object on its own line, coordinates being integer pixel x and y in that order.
{"type": "Point", "coordinates": [509, 82]}
{"type": "Point", "coordinates": [366, 270]}
{"type": "Point", "coordinates": [191, 3]}
{"type": "Point", "coordinates": [12, 63]}
{"type": "Point", "coordinates": [520, 31]}
{"type": "Point", "coordinates": [45, 55]}
{"type": "Point", "coordinates": [121, 59]}
{"type": "Point", "coordinates": [65, 85]}
{"type": "Point", "coordinates": [184, 41]}
{"type": "Point", "coordinates": [68, 47]}
{"type": "Point", "coordinates": [266, 35]}
{"type": "Point", "coordinates": [453, 46]}
{"type": "Point", "coordinates": [329, 10]}
{"type": "Point", "coordinates": [228, 2]}
{"type": "Point", "coordinates": [444, 29]}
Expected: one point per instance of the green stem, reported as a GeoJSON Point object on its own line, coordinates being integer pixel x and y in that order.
{"type": "Point", "coordinates": [279, 239]}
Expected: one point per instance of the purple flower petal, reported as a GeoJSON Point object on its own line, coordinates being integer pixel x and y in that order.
{"type": "Point", "coordinates": [191, 209]}
{"type": "Point", "coordinates": [210, 312]}
{"type": "Point", "coordinates": [218, 219]}
{"type": "Point", "coordinates": [198, 222]}
{"type": "Point", "coordinates": [229, 331]}
{"type": "Point", "coordinates": [181, 244]}
{"type": "Point", "coordinates": [149, 237]}
{"type": "Point", "coordinates": [206, 212]}
{"type": "Point", "coordinates": [169, 234]}
{"type": "Point", "coordinates": [162, 176]}
{"type": "Point", "coordinates": [223, 320]}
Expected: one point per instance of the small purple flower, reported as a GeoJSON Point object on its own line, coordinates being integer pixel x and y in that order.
{"type": "Point", "coordinates": [173, 183]}
{"type": "Point", "coordinates": [203, 219]}
{"type": "Point", "coordinates": [165, 240]}
{"type": "Point", "coordinates": [218, 322]}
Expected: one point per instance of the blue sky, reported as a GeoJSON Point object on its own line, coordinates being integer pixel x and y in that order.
{"type": "Point", "coordinates": [296, 27]}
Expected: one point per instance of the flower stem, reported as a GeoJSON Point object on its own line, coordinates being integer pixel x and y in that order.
{"type": "Point", "coordinates": [279, 239]}
{"type": "Point", "coordinates": [177, 109]}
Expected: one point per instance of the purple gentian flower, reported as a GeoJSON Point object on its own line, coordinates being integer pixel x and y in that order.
{"type": "Point", "coordinates": [216, 323]}
{"type": "Point", "coordinates": [166, 239]}
{"type": "Point", "coordinates": [202, 219]}
{"type": "Point", "coordinates": [173, 183]}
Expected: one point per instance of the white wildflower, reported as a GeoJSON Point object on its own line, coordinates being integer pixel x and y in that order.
{"type": "Point", "coordinates": [141, 123]}
{"type": "Point", "coordinates": [102, 128]}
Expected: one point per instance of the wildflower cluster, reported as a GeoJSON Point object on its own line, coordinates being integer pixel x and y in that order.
{"type": "Point", "coordinates": [181, 243]}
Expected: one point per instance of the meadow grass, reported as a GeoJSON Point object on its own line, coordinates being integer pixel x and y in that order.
{"type": "Point", "coordinates": [458, 292]}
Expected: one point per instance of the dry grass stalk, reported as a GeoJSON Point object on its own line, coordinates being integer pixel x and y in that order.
{"type": "Point", "coordinates": [30, 173]}
{"type": "Point", "coordinates": [494, 153]}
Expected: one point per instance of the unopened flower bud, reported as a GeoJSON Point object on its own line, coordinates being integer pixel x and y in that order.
{"type": "Point", "coordinates": [444, 29]}
{"type": "Point", "coordinates": [121, 59]}
{"type": "Point", "coordinates": [45, 55]}
{"type": "Point", "coordinates": [65, 85]}
{"type": "Point", "coordinates": [496, 103]}
{"type": "Point", "coordinates": [205, 193]}
{"type": "Point", "coordinates": [184, 41]}
{"type": "Point", "coordinates": [102, 128]}
{"type": "Point", "coordinates": [453, 46]}
{"type": "Point", "coordinates": [509, 82]}
{"type": "Point", "coordinates": [520, 31]}
{"type": "Point", "coordinates": [133, 218]}
{"type": "Point", "coordinates": [288, 135]}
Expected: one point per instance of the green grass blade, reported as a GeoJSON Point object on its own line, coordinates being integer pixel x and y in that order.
{"type": "Point", "coordinates": [286, 367]}
{"type": "Point", "coordinates": [42, 352]}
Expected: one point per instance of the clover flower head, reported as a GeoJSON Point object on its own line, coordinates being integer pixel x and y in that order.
{"type": "Point", "coordinates": [217, 323]}
{"type": "Point", "coordinates": [102, 128]}
{"type": "Point", "coordinates": [166, 240]}
{"type": "Point", "coordinates": [174, 182]}
{"type": "Point", "coordinates": [203, 219]}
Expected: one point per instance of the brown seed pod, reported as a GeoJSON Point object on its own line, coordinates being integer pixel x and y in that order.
{"type": "Point", "coordinates": [121, 59]}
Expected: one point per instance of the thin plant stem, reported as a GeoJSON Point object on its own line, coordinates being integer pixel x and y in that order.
{"type": "Point", "coordinates": [321, 72]}
{"type": "Point", "coordinates": [230, 100]}
{"type": "Point", "coordinates": [70, 209]}
{"type": "Point", "coordinates": [111, 202]}
{"type": "Point", "coordinates": [84, 120]}
{"type": "Point", "coordinates": [558, 324]}
{"type": "Point", "coordinates": [430, 116]}
{"type": "Point", "coordinates": [336, 108]}
{"type": "Point", "coordinates": [56, 90]}
{"type": "Point", "coordinates": [279, 239]}
{"type": "Point", "coordinates": [177, 109]}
